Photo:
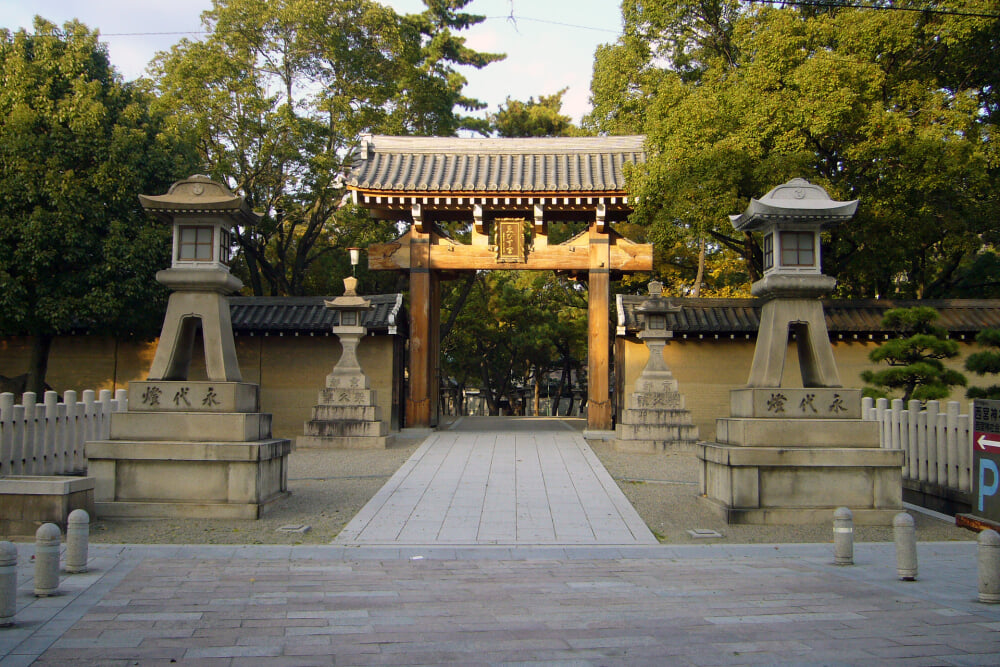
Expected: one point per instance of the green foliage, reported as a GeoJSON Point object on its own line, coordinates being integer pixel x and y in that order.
{"type": "Point", "coordinates": [543, 118]}
{"type": "Point", "coordinates": [985, 362]}
{"type": "Point", "coordinates": [430, 90]}
{"type": "Point", "coordinates": [736, 98]}
{"type": "Point", "coordinates": [915, 365]}
{"type": "Point", "coordinates": [77, 145]}
{"type": "Point", "coordinates": [276, 97]}
{"type": "Point", "coordinates": [514, 328]}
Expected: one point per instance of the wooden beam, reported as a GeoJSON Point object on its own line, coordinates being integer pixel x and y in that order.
{"type": "Point", "coordinates": [448, 256]}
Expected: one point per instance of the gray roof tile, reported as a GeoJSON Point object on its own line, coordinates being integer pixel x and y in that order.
{"type": "Point", "coordinates": [308, 314]}
{"type": "Point", "coordinates": [742, 316]}
{"type": "Point", "coordinates": [455, 165]}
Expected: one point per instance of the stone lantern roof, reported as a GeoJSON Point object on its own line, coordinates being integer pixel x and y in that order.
{"type": "Point", "coordinates": [199, 195]}
{"type": "Point", "coordinates": [797, 201]}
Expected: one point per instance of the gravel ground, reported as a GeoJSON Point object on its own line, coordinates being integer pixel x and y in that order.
{"type": "Point", "coordinates": [328, 487]}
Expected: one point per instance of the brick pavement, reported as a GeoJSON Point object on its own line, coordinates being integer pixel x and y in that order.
{"type": "Point", "coordinates": [341, 605]}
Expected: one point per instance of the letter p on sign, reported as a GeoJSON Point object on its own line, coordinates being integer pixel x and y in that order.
{"type": "Point", "coordinates": [990, 489]}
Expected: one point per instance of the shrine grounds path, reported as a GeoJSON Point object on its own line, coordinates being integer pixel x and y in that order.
{"type": "Point", "coordinates": [412, 597]}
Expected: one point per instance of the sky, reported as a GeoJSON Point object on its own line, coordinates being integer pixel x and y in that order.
{"type": "Point", "coordinates": [549, 45]}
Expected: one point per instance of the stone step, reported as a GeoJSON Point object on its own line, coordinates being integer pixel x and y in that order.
{"type": "Point", "coordinates": [191, 426]}
{"type": "Point", "coordinates": [360, 413]}
{"type": "Point", "coordinates": [341, 442]}
{"type": "Point", "coordinates": [658, 433]}
{"type": "Point", "coordinates": [657, 416]}
{"type": "Point", "coordinates": [348, 429]}
{"type": "Point", "coordinates": [797, 433]}
{"type": "Point", "coordinates": [655, 446]}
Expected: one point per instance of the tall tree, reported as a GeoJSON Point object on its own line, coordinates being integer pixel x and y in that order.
{"type": "Point", "coordinates": [431, 100]}
{"type": "Point", "coordinates": [888, 107]}
{"type": "Point", "coordinates": [77, 145]}
{"type": "Point", "coordinates": [541, 118]}
{"type": "Point", "coordinates": [276, 97]}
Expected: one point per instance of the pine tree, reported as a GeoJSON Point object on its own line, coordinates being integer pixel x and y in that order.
{"type": "Point", "coordinates": [987, 361]}
{"type": "Point", "coordinates": [915, 364]}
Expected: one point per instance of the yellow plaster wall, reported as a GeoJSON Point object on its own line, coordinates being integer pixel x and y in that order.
{"type": "Point", "coordinates": [290, 369]}
{"type": "Point", "coordinates": [707, 369]}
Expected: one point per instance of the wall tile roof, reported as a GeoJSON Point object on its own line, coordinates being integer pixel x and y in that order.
{"type": "Point", "coordinates": [843, 318]}
{"type": "Point", "coordinates": [456, 165]}
{"type": "Point", "coordinates": [308, 314]}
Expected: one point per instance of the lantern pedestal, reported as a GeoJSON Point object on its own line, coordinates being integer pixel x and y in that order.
{"type": "Point", "coordinates": [792, 455]}
{"type": "Point", "coordinates": [189, 449]}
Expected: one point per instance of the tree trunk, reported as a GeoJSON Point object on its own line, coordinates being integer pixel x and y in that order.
{"type": "Point", "coordinates": [38, 366]}
{"type": "Point", "coordinates": [696, 292]}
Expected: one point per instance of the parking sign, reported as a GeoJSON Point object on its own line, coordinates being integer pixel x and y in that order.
{"type": "Point", "coordinates": [986, 459]}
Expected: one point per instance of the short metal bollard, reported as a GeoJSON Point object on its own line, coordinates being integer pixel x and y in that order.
{"type": "Point", "coordinates": [843, 537]}
{"type": "Point", "coordinates": [77, 540]}
{"type": "Point", "coordinates": [905, 534]}
{"type": "Point", "coordinates": [47, 560]}
{"type": "Point", "coordinates": [989, 566]}
{"type": "Point", "coordinates": [8, 583]}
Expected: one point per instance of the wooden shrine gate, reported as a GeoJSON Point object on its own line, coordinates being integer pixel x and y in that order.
{"type": "Point", "coordinates": [496, 185]}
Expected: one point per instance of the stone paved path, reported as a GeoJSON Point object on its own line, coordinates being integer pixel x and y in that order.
{"type": "Point", "coordinates": [344, 605]}
{"type": "Point", "coordinates": [534, 482]}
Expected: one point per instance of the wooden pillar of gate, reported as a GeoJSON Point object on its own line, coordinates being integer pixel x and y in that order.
{"type": "Point", "coordinates": [598, 323]}
{"type": "Point", "coordinates": [421, 399]}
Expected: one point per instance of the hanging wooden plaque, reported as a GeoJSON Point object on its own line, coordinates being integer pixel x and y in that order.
{"type": "Point", "coordinates": [510, 240]}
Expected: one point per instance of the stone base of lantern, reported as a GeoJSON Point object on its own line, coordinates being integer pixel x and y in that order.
{"type": "Point", "coordinates": [189, 449]}
{"type": "Point", "coordinates": [792, 456]}
{"type": "Point", "coordinates": [656, 421]}
{"type": "Point", "coordinates": [345, 419]}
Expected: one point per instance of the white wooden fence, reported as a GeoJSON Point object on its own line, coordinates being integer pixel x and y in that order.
{"type": "Point", "coordinates": [47, 438]}
{"type": "Point", "coordinates": [938, 444]}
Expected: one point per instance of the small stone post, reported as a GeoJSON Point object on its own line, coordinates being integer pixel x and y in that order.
{"type": "Point", "coordinates": [905, 535]}
{"type": "Point", "coordinates": [8, 583]}
{"type": "Point", "coordinates": [843, 537]}
{"type": "Point", "coordinates": [47, 560]}
{"type": "Point", "coordinates": [77, 540]}
{"type": "Point", "coordinates": [989, 566]}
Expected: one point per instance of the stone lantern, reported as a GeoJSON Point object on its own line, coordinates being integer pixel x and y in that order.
{"type": "Point", "coordinates": [192, 448]}
{"type": "Point", "coordinates": [347, 416]}
{"type": "Point", "coordinates": [202, 214]}
{"type": "Point", "coordinates": [790, 218]}
{"type": "Point", "coordinates": [655, 418]}
{"type": "Point", "coordinates": [795, 454]}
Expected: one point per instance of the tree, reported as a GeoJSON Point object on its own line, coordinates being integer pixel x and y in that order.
{"type": "Point", "coordinates": [77, 145]}
{"type": "Point", "coordinates": [542, 118]}
{"type": "Point", "coordinates": [736, 98]}
{"type": "Point", "coordinates": [514, 329]}
{"type": "Point", "coordinates": [431, 91]}
{"type": "Point", "coordinates": [276, 97]}
{"type": "Point", "coordinates": [985, 362]}
{"type": "Point", "coordinates": [915, 365]}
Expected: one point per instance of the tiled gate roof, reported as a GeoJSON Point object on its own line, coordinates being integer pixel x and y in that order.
{"type": "Point", "coordinates": [531, 165]}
